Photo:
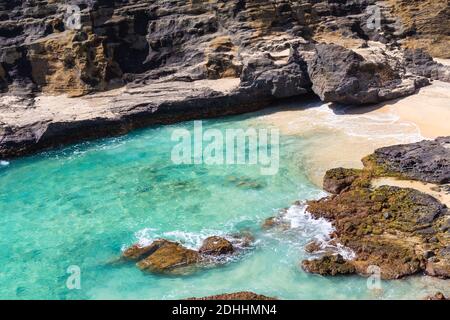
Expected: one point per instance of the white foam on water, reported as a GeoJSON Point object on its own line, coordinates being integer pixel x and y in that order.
{"type": "Point", "coordinates": [301, 220]}
{"type": "Point", "coordinates": [4, 163]}
{"type": "Point", "coordinates": [194, 240]}
{"type": "Point", "coordinates": [305, 225]}
{"type": "Point", "coordinates": [145, 236]}
{"type": "Point", "coordinates": [191, 240]}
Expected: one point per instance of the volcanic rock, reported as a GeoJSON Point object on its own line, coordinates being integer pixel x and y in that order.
{"type": "Point", "coordinates": [244, 295]}
{"type": "Point", "coordinates": [216, 246]}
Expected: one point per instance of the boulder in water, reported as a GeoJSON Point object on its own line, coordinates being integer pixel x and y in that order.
{"type": "Point", "coordinates": [216, 246]}
{"type": "Point", "coordinates": [166, 256]}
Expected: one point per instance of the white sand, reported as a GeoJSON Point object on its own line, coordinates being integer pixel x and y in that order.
{"type": "Point", "coordinates": [342, 137]}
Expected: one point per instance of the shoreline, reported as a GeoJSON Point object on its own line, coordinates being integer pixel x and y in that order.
{"type": "Point", "coordinates": [28, 129]}
{"type": "Point", "coordinates": [364, 128]}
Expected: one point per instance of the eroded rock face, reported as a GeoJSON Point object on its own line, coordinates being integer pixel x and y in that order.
{"type": "Point", "coordinates": [329, 265]}
{"type": "Point", "coordinates": [44, 44]}
{"type": "Point", "coordinates": [343, 76]}
{"type": "Point", "coordinates": [338, 179]}
{"type": "Point", "coordinates": [431, 32]}
{"type": "Point", "coordinates": [160, 53]}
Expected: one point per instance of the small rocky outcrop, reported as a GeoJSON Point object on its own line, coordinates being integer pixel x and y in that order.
{"type": "Point", "coordinates": [402, 231]}
{"type": "Point", "coordinates": [216, 246]}
{"type": "Point", "coordinates": [396, 229]}
{"type": "Point", "coordinates": [164, 256]}
{"type": "Point", "coordinates": [421, 63]}
{"type": "Point", "coordinates": [313, 246]}
{"type": "Point", "coordinates": [243, 295]}
{"type": "Point", "coordinates": [329, 265]}
{"type": "Point", "coordinates": [343, 76]}
{"type": "Point", "coordinates": [427, 161]}
{"type": "Point", "coordinates": [276, 222]}
{"type": "Point", "coordinates": [338, 179]}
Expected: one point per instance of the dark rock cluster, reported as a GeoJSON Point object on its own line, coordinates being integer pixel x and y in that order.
{"type": "Point", "coordinates": [401, 231]}
{"type": "Point", "coordinates": [427, 161]}
{"type": "Point", "coordinates": [170, 257]}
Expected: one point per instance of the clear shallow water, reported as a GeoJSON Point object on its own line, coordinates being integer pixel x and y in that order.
{"type": "Point", "coordinates": [83, 204]}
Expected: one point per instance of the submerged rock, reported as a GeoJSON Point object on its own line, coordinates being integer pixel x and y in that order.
{"type": "Point", "coordinates": [276, 222]}
{"type": "Point", "coordinates": [313, 247]}
{"type": "Point", "coordinates": [216, 246]}
{"type": "Point", "coordinates": [244, 295]}
{"type": "Point", "coordinates": [137, 252]}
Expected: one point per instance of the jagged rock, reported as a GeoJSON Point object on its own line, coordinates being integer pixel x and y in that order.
{"type": "Point", "coordinates": [161, 52]}
{"type": "Point", "coordinates": [313, 247]}
{"type": "Point", "coordinates": [216, 246]}
{"type": "Point", "coordinates": [277, 222]}
{"type": "Point", "coordinates": [261, 74]}
{"type": "Point", "coordinates": [396, 245]}
{"type": "Point", "coordinates": [328, 265]}
{"type": "Point", "coordinates": [338, 179]}
{"type": "Point", "coordinates": [137, 252]}
{"type": "Point", "coordinates": [421, 63]}
{"type": "Point", "coordinates": [167, 256]}
{"type": "Point", "coordinates": [244, 295]}
{"type": "Point", "coordinates": [427, 160]}
{"type": "Point", "coordinates": [343, 76]}
{"type": "Point", "coordinates": [272, 222]}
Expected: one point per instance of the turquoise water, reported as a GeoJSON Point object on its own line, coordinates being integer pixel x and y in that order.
{"type": "Point", "coordinates": [80, 206]}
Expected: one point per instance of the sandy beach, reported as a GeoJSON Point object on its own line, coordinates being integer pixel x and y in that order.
{"type": "Point", "coordinates": [342, 136]}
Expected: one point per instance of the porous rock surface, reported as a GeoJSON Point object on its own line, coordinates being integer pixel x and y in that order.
{"type": "Point", "coordinates": [171, 257]}
{"type": "Point", "coordinates": [80, 69]}
{"type": "Point", "coordinates": [400, 231]}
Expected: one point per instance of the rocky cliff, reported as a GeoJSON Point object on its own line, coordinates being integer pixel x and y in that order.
{"type": "Point", "coordinates": [166, 60]}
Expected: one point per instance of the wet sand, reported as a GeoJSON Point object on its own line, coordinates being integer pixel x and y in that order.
{"type": "Point", "coordinates": [338, 136]}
